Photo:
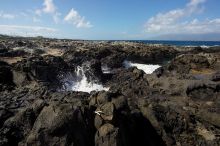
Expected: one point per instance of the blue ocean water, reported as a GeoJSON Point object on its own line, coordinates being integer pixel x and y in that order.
{"type": "Point", "coordinates": [180, 43]}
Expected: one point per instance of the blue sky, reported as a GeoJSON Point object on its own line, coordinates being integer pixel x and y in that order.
{"type": "Point", "coordinates": [108, 19]}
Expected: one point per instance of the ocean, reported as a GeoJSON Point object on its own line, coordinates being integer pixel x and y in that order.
{"type": "Point", "coordinates": [180, 43]}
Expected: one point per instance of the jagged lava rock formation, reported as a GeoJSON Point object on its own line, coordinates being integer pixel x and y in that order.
{"type": "Point", "coordinates": [178, 104]}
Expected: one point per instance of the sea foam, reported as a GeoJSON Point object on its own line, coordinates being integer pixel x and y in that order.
{"type": "Point", "coordinates": [79, 82]}
{"type": "Point", "coordinates": [147, 68]}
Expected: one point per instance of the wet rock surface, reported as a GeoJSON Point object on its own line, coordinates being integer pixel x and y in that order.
{"type": "Point", "coordinates": [178, 104]}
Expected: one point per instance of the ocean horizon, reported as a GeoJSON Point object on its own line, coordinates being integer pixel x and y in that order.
{"type": "Point", "coordinates": [177, 42]}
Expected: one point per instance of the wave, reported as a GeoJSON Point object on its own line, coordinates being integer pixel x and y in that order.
{"type": "Point", "coordinates": [147, 68]}
{"type": "Point", "coordinates": [79, 82]}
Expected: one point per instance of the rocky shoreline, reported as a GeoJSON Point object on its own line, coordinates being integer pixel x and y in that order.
{"type": "Point", "coordinates": [178, 104]}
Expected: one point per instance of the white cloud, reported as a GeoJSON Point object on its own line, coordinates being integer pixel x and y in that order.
{"type": "Point", "coordinates": [77, 20]}
{"type": "Point", "coordinates": [195, 26]}
{"type": "Point", "coordinates": [72, 17]}
{"type": "Point", "coordinates": [56, 17]}
{"type": "Point", "coordinates": [27, 30]}
{"type": "Point", "coordinates": [173, 21]}
{"type": "Point", "coordinates": [195, 2]}
{"type": "Point", "coordinates": [49, 6]}
{"type": "Point", "coordinates": [6, 15]}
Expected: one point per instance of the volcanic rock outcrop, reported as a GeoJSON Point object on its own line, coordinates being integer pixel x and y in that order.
{"type": "Point", "coordinates": [178, 104]}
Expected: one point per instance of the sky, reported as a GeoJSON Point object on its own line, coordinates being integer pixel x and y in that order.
{"type": "Point", "coordinates": [109, 19]}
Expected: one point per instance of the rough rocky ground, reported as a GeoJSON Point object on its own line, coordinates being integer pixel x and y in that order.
{"type": "Point", "coordinates": [179, 104]}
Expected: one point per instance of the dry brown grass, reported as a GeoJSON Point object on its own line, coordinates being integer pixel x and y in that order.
{"type": "Point", "coordinates": [54, 52]}
{"type": "Point", "coordinates": [11, 60]}
{"type": "Point", "coordinates": [208, 135]}
{"type": "Point", "coordinates": [204, 71]}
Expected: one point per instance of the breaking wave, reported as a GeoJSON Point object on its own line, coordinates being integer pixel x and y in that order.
{"type": "Point", "coordinates": [147, 68]}
{"type": "Point", "coordinates": [79, 82]}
